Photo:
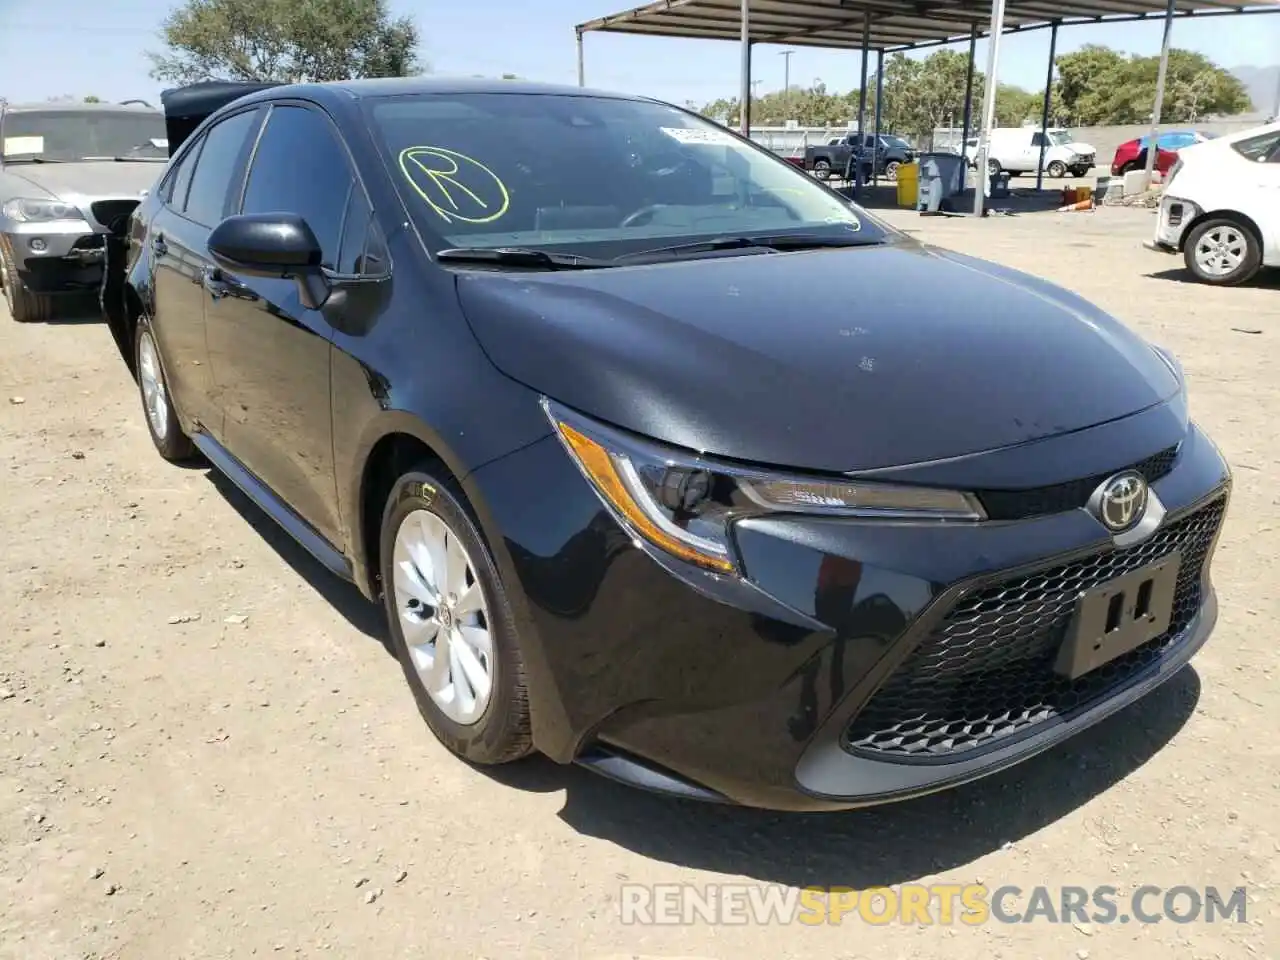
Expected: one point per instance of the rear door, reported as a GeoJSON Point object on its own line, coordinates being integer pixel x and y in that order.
{"type": "Point", "coordinates": [195, 194]}
{"type": "Point", "coordinates": [270, 353]}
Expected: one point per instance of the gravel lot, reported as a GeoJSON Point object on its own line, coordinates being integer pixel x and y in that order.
{"type": "Point", "coordinates": [205, 750]}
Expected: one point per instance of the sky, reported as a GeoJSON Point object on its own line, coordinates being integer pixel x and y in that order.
{"type": "Point", "coordinates": [51, 48]}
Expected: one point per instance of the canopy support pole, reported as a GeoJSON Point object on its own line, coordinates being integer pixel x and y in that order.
{"type": "Point", "coordinates": [989, 105]}
{"type": "Point", "coordinates": [1152, 142]}
{"type": "Point", "coordinates": [968, 93]}
{"type": "Point", "coordinates": [855, 156]}
{"type": "Point", "coordinates": [744, 113]}
{"type": "Point", "coordinates": [1044, 110]}
{"type": "Point", "coordinates": [582, 76]}
{"type": "Point", "coordinates": [875, 149]}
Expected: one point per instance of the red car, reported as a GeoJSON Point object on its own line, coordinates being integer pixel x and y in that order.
{"type": "Point", "coordinates": [1132, 155]}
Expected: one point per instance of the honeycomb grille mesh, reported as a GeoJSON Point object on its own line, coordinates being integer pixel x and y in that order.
{"type": "Point", "coordinates": [985, 674]}
{"type": "Point", "coordinates": [1061, 497]}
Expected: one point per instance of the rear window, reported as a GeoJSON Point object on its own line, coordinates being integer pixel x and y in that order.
{"type": "Point", "coordinates": [598, 175]}
{"type": "Point", "coordinates": [1260, 148]}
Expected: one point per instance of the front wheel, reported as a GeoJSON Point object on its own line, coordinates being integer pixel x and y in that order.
{"type": "Point", "coordinates": [1056, 169]}
{"type": "Point", "coordinates": [24, 305]}
{"type": "Point", "coordinates": [1222, 252]}
{"type": "Point", "coordinates": [451, 623]}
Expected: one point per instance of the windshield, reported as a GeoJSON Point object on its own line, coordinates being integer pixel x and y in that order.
{"type": "Point", "coordinates": [69, 135]}
{"type": "Point", "coordinates": [1060, 138]}
{"type": "Point", "coordinates": [597, 176]}
{"type": "Point", "coordinates": [896, 142]}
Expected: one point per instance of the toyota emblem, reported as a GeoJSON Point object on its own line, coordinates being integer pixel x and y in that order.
{"type": "Point", "coordinates": [1122, 500]}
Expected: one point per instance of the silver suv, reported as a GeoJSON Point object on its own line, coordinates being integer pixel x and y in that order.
{"type": "Point", "coordinates": [68, 172]}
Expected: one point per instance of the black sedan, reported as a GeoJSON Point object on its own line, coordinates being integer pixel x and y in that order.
{"type": "Point", "coordinates": [574, 385]}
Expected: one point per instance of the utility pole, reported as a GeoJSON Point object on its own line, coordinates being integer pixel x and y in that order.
{"type": "Point", "coordinates": [786, 70]}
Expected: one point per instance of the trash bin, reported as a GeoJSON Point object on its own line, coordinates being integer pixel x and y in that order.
{"type": "Point", "coordinates": [941, 176]}
{"type": "Point", "coordinates": [908, 184]}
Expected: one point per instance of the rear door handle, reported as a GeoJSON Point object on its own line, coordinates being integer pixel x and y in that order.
{"type": "Point", "coordinates": [211, 278]}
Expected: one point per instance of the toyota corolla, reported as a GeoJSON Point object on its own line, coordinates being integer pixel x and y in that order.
{"type": "Point", "coordinates": [662, 457]}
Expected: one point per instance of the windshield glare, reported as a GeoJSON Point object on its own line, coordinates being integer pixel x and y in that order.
{"type": "Point", "coordinates": [79, 134]}
{"type": "Point", "coordinates": [1060, 138]}
{"type": "Point", "coordinates": [595, 175]}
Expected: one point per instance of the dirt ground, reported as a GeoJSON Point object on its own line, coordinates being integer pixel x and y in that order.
{"type": "Point", "coordinates": [205, 750]}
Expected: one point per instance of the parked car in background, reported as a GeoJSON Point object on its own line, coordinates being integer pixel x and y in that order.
{"type": "Point", "coordinates": [1132, 154]}
{"type": "Point", "coordinates": [550, 374]}
{"type": "Point", "coordinates": [1017, 150]}
{"type": "Point", "coordinates": [67, 173]}
{"type": "Point", "coordinates": [832, 158]}
{"type": "Point", "coordinates": [1221, 206]}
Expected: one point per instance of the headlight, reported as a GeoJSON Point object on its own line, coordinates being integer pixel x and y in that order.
{"type": "Point", "coordinates": [40, 211]}
{"type": "Point", "coordinates": [684, 504]}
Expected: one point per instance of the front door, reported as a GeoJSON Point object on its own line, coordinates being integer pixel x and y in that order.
{"type": "Point", "coordinates": [271, 353]}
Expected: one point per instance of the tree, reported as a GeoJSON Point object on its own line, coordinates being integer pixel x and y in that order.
{"type": "Point", "coordinates": [92, 99]}
{"type": "Point", "coordinates": [1099, 86]}
{"type": "Point", "coordinates": [285, 41]}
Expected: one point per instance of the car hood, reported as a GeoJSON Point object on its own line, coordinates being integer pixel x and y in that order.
{"type": "Point", "coordinates": [1080, 147]}
{"type": "Point", "coordinates": [95, 179]}
{"type": "Point", "coordinates": [832, 360]}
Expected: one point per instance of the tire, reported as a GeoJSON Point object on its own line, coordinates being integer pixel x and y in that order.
{"type": "Point", "coordinates": [24, 306]}
{"type": "Point", "coordinates": [421, 506]}
{"type": "Point", "coordinates": [1056, 169]}
{"type": "Point", "coordinates": [993, 167]}
{"type": "Point", "coordinates": [891, 170]}
{"type": "Point", "coordinates": [822, 169]}
{"type": "Point", "coordinates": [1228, 238]}
{"type": "Point", "coordinates": [157, 407]}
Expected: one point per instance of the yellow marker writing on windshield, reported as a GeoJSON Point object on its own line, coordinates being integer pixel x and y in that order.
{"type": "Point", "coordinates": [455, 186]}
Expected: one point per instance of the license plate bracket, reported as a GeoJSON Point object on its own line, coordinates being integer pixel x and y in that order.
{"type": "Point", "coordinates": [1119, 616]}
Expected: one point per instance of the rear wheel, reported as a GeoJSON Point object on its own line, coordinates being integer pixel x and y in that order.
{"type": "Point", "coordinates": [891, 170]}
{"type": "Point", "coordinates": [162, 421]}
{"type": "Point", "coordinates": [451, 623]}
{"type": "Point", "coordinates": [24, 305]}
{"type": "Point", "coordinates": [822, 169]}
{"type": "Point", "coordinates": [1222, 252]}
{"type": "Point", "coordinates": [993, 167]}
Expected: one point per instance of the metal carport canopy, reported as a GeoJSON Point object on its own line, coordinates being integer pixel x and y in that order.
{"type": "Point", "coordinates": [893, 24]}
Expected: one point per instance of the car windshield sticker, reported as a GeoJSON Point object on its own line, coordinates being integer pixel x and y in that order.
{"type": "Point", "coordinates": [16, 145]}
{"type": "Point", "coordinates": [455, 186]}
{"type": "Point", "coordinates": [702, 137]}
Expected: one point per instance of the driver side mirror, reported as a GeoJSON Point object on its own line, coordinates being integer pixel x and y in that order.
{"type": "Point", "coordinates": [279, 245]}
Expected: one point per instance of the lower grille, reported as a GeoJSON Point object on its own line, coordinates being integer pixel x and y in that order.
{"type": "Point", "coordinates": [985, 674]}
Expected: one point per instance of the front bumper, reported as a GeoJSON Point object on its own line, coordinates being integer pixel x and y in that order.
{"type": "Point", "coordinates": [753, 690]}
{"type": "Point", "coordinates": [56, 257]}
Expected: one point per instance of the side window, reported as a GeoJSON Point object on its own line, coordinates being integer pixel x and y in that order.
{"type": "Point", "coordinates": [300, 167]}
{"type": "Point", "coordinates": [1258, 148]}
{"type": "Point", "coordinates": [180, 180]}
{"type": "Point", "coordinates": [363, 251]}
{"type": "Point", "coordinates": [216, 167]}
{"type": "Point", "coordinates": [1038, 139]}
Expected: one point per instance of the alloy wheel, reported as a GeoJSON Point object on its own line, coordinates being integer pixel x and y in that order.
{"type": "Point", "coordinates": [154, 397]}
{"type": "Point", "coordinates": [443, 616]}
{"type": "Point", "coordinates": [1220, 251]}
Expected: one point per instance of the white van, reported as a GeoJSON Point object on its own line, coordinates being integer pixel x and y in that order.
{"type": "Point", "coordinates": [1017, 150]}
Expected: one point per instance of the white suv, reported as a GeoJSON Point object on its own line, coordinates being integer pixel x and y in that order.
{"type": "Point", "coordinates": [1221, 206]}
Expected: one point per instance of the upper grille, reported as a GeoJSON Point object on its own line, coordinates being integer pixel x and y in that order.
{"type": "Point", "coordinates": [107, 212]}
{"type": "Point", "coordinates": [1061, 497]}
{"type": "Point", "coordinates": [985, 674]}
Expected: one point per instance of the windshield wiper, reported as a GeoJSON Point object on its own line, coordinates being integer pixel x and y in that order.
{"type": "Point", "coordinates": [22, 159]}
{"type": "Point", "coordinates": [768, 243]}
{"type": "Point", "coordinates": [130, 159]}
{"type": "Point", "coordinates": [522, 257]}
